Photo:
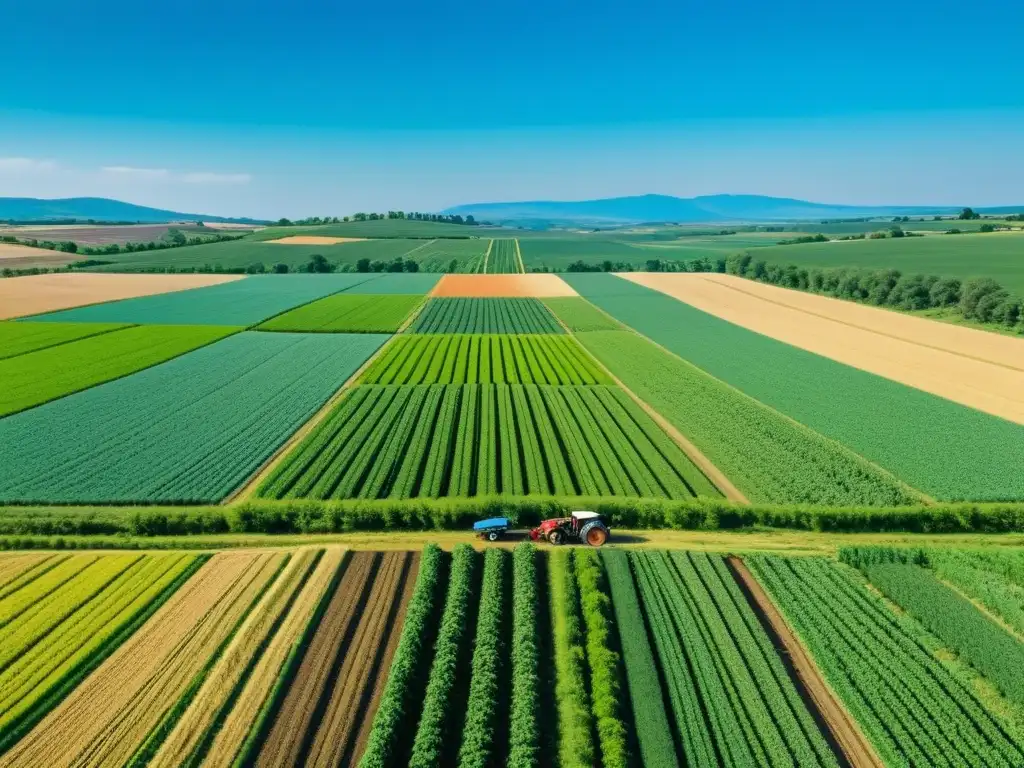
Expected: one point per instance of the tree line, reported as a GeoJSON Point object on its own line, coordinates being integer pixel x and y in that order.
{"type": "Point", "coordinates": [390, 215]}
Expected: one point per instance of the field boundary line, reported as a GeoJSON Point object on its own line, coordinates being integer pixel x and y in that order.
{"type": "Point", "coordinates": [121, 327]}
{"type": "Point", "coordinates": [411, 318]}
{"type": "Point", "coordinates": [256, 326]}
{"type": "Point", "coordinates": [840, 729]}
{"type": "Point", "coordinates": [519, 256]}
{"type": "Point", "coordinates": [422, 245]}
{"type": "Point", "coordinates": [981, 608]}
{"type": "Point", "coordinates": [916, 492]}
{"type": "Point", "coordinates": [693, 453]}
{"type": "Point", "coordinates": [237, 329]}
{"type": "Point", "coordinates": [848, 324]}
{"type": "Point", "coordinates": [487, 255]}
{"type": "Point", "coordinates": [245, 491]}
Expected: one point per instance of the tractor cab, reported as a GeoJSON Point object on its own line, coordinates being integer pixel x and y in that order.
{"type": "Point", "coordinates": [581, 526]}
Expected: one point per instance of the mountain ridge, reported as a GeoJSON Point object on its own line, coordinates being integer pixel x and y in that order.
{"type": "Point", "coordinates": [99, 209]}
{"type": "Point", "coordinates": [694, 210]}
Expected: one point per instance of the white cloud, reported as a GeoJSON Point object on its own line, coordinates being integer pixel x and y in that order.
{"type": "Point", "coordinates": [143, 173]}
{"type": "Point", "coordinates": [216, 178]}
{"type": "Point", "coordinates": [26, 164]}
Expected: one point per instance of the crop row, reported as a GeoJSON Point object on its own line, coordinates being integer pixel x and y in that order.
{"type": "Point", "coordinates": [879, 662]}
{"type": "Point", "coordinates": [956, 622]}
{"type": "Point", "coordinates": [948, 451]}
{"type": "Point", "coordinates": [750, 713]}
{"type": "Point", "coordinates": [474, 440]}
{"type": "Point", "coordinates": [486, 316]}
{"type": "Point", "coordinates": [524, 720]}
{"type": "Point", "coordinates": [503, 257]}
{"type": "Point", "coordinates": [580, 315]}
{"type": "Point", "coordinates": [347, 313]}
{"type": "Point", "coordinates": [188, 430]}
{"type": "Point", "coordinates": [65, 616]}
{"type": "Point", "coordinates": [767, 456]}
{"type": "Point", "coordinates": [110, 716]}
{"type": "Point", "coordinates": [482, 359]}
{"type": "Point", "coordinates": [995, 579]}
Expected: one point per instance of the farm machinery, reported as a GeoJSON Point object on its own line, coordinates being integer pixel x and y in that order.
{"type": "Point", "coordinates": [583, 527]}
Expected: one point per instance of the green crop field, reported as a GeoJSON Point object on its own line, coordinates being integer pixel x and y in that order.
{"type": "Point", "coordinates": [997, 255]}
{"type": "Point", "coordinates": [912, 707]}
{"type": "Point", "coordinates": [410, 283]}
{"type": "Point", "coordinates": [19, 338]}
{"type": "Point", "coordinates": [382, 228]}
{"type": "Point", "coordinates": [447, 255]}
{"type": "Point", "coordinates": [503, 257]}
{"type": "Point", "coordinates": [344, 312]}
{"type": "Point", "coordinates": [486, 316]}
{"type": "Point", "coordinates": [946, 450]}
{"type": "Point", "coordinates": [46, 374]}
{"type": "Point", "coordinates": [580, 315]}
{"type": "Point", "coordinates": [475, 440]}
{"type": "Point", "coordinates": [766, 456]}
{"type": "Point", "coordinates": [481, 359]}
{"type": "Point", "coordinates": [243, 302]}
{"type": "Point", "coordinates": [188, 430]}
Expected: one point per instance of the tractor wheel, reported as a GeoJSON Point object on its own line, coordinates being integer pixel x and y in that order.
{"type": "Point", "coordinates": [556, 537]}
{"type": "Point", "coordinates": [594, 534]}
{"type": "Point", "coordinates": [492, 536]}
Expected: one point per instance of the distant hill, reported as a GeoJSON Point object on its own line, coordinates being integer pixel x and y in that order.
{"type": "Point", "coordinates": [692, 210]}
{"type": "Point", "coordinates": [97, 208]}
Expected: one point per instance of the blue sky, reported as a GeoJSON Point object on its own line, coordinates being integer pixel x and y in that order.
{"type": "Point", "coordinates": [302, 108]}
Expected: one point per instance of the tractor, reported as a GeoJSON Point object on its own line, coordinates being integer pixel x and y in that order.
{"type": "Point", "coordinates": [584, 527]}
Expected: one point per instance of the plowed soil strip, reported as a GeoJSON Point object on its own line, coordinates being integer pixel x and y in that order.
{"type": "Point", "coordinates": [106, 718]}
{"type": "Point", "coordinates": [334, 742]}
{"type": "Point", "coordinates": [993, 388]}
{"type": "Point", "coordinates": [264, 677]}
{"type": "Point", "coordinates": [299, 715]}
{"type": "Point", "coordinates": [502, 286]}
{"type": "Point", "coordinates": [839, 728]}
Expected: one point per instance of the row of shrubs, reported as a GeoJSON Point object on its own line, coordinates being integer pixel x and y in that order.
{"type": "Point", "coordinates": [983, 300]}
{"type": "Point", "coordinates": [313, 517]}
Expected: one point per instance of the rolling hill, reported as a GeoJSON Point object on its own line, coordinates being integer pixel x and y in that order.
{"type": "Point", "coordinates": [97, 208]}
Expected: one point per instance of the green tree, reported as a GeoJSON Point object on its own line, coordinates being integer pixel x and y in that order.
{"type": "Point", "coordinates": [280, 268]}
{"type": "Point", "coordinates": [363, 265]}
{"type": "Point", "coordinates": [318, 263]}
{"type": "Point", "coordinates": [968, 214]}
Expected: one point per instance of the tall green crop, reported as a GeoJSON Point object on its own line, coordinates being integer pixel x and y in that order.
{"type": "Point", "coordinates": [524, 742]}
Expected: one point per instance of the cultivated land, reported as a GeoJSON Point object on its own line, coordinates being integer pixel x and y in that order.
{"type": "Point", "coordinates": [35, 294]}
{"type": "Point", "coordinates": [498, 286]}
{"type": "Point", "coordinates": [99, 234]}
{"type": "Point", "coordinates": [995, 388]}
{"type": "Point", "coordinates": [995, 255]}
{"type": "Point", "coordinates": [25, 257]}
{"type": "Point", "coordinates": [315, 240]}
{"type": "Point", "coordinates": [360, 313]}
{"type": "Point", "coordinates": [485, 316]}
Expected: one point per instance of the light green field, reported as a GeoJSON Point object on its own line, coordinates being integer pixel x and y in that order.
{"type": "Point", "coordinates": [999, 256]}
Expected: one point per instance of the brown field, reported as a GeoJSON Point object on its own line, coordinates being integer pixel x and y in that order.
{"type": "Point", "coordinates": [970, 381]}
{"type": "Point", "coordinates": [14, 256]}
{"type": "Point", "coordinates": [36, 294]}
{"type": "Point", "coordinates": [315, 240]}
{"type": "Point", "coordinates": [502, 286]}
{"type": "Point", "coordinates": [106, 719]}
{"type": "Point", "coordinates": [258, 689]}
{"type": "Point", "coordinates": [328, 710]}
{"type": "Point", "coordinates": [230, 669]}
{"type": "Point", "coordinates": [99, 234]}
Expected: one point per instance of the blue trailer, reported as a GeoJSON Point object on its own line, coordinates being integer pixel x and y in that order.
{"type": "Point", "coordinates": [492, 529]}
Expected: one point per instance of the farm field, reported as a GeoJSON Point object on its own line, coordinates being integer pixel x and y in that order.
{"type": "Point", "coordinates": [450, 255]}
{"type": "Point", "coordinates": [187, 430]}
{"type": "Point", "coordinates": [102, 234]}
{"type": "Point", "coordinates": [362, 313]}
{"type": "Point", "coordinates": [502, 286]}
{"type": "Point", "coordinates": [580, 315]}
{"type": "Point", "coordinates": [19, 338]}
{"type": "Point", "coordinates": [995, 255]}
{"type": "Point", "coordinates": [503, 257]}
{"type": "Point", "coordinates": [414, 283]}
{"type": "Point", "coordinates": [14, 256]}
{"type": "Point", "coordinates": [485, 316]}
{"type": "Point", "coordinates": [484, 359]}
{"type": "Point", "coordinates": [47, 374]}
{"type": "Point", "coordinates": [943, 449]}
{"type": "Point", "coordinates": [473, 440]}
{"type": "Point", "coordinates": [322, 656]}
{"type": "Point", "coordinates": [36, 294]}
{"type": "Point", "coordinates": [995, 388]}
{"type": "Point", "coordinates": [240, 303]}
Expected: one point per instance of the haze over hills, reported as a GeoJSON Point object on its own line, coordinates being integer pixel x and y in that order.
{"type": "Point", "coordinates": [703, 209]}
{"type": "Point", "coordinates": [97, 208]}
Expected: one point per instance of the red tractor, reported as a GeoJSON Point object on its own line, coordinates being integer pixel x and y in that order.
{"type": "Point", "coordinates": [584, 527]}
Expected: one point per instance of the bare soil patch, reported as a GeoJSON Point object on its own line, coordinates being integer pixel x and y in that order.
{"type": "Point", "coordinates": [315, 240]}
{"type": "Point", "coordinates": [25, 257]}
{"type": "Point", "coordinates": [925, 362]}
{"type": "Point", "coordinates": [536, 286]}
{"type": "Point", "coordinates": [99, 234]}
{"type": "Point", "coordinates": [35, 294]}
{"type": "Point", "coordinates": [838, 727]}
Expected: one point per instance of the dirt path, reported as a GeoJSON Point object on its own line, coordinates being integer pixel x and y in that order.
{"type": "Point", "coordinates": [838, 727]}
{"type": "Point", "coordinates": [997, 389]}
